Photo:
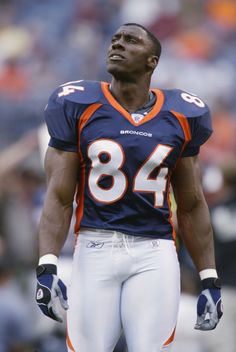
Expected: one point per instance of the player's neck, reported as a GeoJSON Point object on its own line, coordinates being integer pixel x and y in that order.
{"type": "Point", "coordinates": [130, 95]}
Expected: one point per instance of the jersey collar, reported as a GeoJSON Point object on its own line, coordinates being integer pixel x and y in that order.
{"type": "Point", "coordinates": [116, 105]}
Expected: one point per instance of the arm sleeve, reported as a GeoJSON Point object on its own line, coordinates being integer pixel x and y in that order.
{"type": "Point", "coordinates": [60, 116]}
{"type": "Point", "coordinates": [201, 129]}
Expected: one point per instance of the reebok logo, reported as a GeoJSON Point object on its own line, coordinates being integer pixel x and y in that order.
{"type": "Point", "coordinates": [138, 133]}
{"type": "Point", "coordinates": [95, 244]}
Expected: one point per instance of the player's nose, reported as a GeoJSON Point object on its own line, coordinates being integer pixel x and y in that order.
{"type": "Point", "coordinates": [118, 44]}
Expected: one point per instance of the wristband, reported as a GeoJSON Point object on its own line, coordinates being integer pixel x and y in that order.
{"type": "Point", "coordinates": [209, 279]}
{"type": "Point", "coordinates": [48, 259]}
{"type": "Point", "coordinates": [208, 273]}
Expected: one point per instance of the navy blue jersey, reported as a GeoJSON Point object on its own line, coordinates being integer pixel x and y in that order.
{"type": "Point", "coordinates": [125, 166]}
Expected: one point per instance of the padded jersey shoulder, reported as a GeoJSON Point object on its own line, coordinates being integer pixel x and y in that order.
{"type": "Point", "coordinates": [79, 92]}
{"type": "Point", "coordinates": [184, 103]}
{"type": "Point", "coordinates": [197, 114]}
{"type": "Point", "coordinates": [65, 107]}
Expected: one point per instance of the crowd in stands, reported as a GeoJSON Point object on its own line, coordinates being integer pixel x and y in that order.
{"type": "Point", "coordinates": [49, 42]}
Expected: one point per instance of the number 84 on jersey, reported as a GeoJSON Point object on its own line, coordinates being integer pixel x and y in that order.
{"type": "Point", "coordinates": [142, 182]}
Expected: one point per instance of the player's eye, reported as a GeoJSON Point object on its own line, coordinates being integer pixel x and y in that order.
{"type": "Point", "coordinates": [131, 40]}
{"type": "Point", "coordinates": [114, 39]}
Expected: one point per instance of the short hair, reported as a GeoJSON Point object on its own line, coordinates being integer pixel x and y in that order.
{"type": "Point", "coordinates": [155, 41]}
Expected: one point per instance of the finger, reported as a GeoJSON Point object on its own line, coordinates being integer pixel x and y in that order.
{"type": "Point", "coordinates": [54, 314]}
{"type": "Point", "coordinates": [200, 319]}
{"type": "Point", "coordinates": [49, 312]}
{"type": "Point", "coordinates": [54, 310]}
{"type": "Point", "coordinates": [206, 325]}
{"type": "Point", "coordinates": [53, 304]}
{"type": "Point", "coordinates": [202, 305]}
{"type": "Point", "coordinates": [219, 308]}
{"type": "Point", "coordinates": [63, 302]}
{"type": "Point", "coordinates": [63, 289]}
{"type": "Point", "coordinates": [197, 327]}
{"type": "Point", "coordinates": [62, 294]}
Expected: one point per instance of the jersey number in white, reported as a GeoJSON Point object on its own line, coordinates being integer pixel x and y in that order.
{"type": "Point", "coordinates": [193, 99]}
{"type": "Point", "coordinates": [70, 87]}
{"type": "Point", "coordinates": [113, 167]}
{"type": "Point", "coordinates": [66, 90]}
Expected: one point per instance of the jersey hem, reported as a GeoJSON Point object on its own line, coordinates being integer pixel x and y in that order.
{"type": "Point", "coordinates": [152, 236]}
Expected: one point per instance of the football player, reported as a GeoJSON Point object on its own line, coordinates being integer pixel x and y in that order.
{"type": "Point", "coordinates": [117, 148]}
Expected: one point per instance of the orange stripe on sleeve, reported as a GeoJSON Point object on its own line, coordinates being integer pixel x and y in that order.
{"type": "Point", "coordinates": [87, 114]}
{"type": "Point", "coordinates": [184, 124]}
{"type": "Point", "coordinates": [80, 191]}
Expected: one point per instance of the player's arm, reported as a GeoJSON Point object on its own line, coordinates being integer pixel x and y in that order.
{"type": "Point", "coordinates": [196, 230]}
{"type": "Point", "coordinates": [61, 170]}
{"type": "Point", "coordinates": [193, 214]}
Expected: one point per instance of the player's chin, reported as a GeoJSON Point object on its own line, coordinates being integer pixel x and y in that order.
{"type": "Point", "coordinates": [115, 65]}
{"type": "Point", "coordinates": [117, 70]}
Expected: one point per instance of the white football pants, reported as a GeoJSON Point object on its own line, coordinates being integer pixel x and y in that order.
{"type": "Point", "coordinates": [122, 282]}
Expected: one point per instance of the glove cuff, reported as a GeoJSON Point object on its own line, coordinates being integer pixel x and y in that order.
{"type": "Point", "coordinates": [46, 269]}
{"type": "Point", "coordinates": [211, 282]}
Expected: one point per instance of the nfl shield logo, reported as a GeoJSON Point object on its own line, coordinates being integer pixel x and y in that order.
{"type": "Point", "coordinates": [137, 117]}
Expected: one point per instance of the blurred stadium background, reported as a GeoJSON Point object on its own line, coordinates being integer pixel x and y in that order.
{"type": "Point", "coordinates": [48, 42]}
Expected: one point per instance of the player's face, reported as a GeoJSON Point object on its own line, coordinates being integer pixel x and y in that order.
{"type": "Point", "coordinates": [129, 52]}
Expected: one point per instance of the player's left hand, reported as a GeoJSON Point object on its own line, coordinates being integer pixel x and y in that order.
{"type": "Point", "coordinates": [209, 308]}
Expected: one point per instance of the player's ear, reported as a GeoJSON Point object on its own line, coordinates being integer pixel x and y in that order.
{"type": "Point", "coordinates": [152, 62]}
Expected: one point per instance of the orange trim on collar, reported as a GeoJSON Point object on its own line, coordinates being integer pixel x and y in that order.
{"type": "Point", "coordinates": [116, 105]}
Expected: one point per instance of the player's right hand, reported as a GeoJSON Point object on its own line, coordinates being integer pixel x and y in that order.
{"type": "Point", "coordinates": [49, 287]}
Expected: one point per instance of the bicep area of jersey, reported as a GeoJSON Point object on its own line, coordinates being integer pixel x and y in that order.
{"type": "Point", "coordinates": [61, 119]}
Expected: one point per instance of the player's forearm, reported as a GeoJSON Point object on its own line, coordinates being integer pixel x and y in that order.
{"type": "Point", "coordinates": [196, 231]}
{"type": "Point", "coordinates": [54, 227]}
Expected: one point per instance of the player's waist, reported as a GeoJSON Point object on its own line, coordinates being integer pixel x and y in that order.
{"type": "Point", "coordinates": [110, 237]}
{"type": "Point", "coordinates": [153, 231]}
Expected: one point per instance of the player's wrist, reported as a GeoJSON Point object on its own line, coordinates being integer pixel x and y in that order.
{"type": "Point", "coordinates": [208, 273]}
{"type": "Point", "coordinates": [48, 259]}
{"type": "Point", "coordinates": [49, 269]}
{"type": "Point", "coordinates": [47, 265]}
{"type": "Point", "coordinates": [211, 282]}
{"type": "Point", "coordinates": [209, 279]}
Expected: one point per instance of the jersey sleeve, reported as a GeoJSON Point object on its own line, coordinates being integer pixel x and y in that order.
{"type": "Point", "coordinates": [197, 114]}
{"type": "Point", "coordinates": [61, 119]}
{"type": "Point", "coordinates": [201, 130]}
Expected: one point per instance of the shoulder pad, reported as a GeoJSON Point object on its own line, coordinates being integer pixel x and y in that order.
{"type": "Point", "coordinates": [81, 92]}
{"type": "Point", "coordinates": [185, 103]}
